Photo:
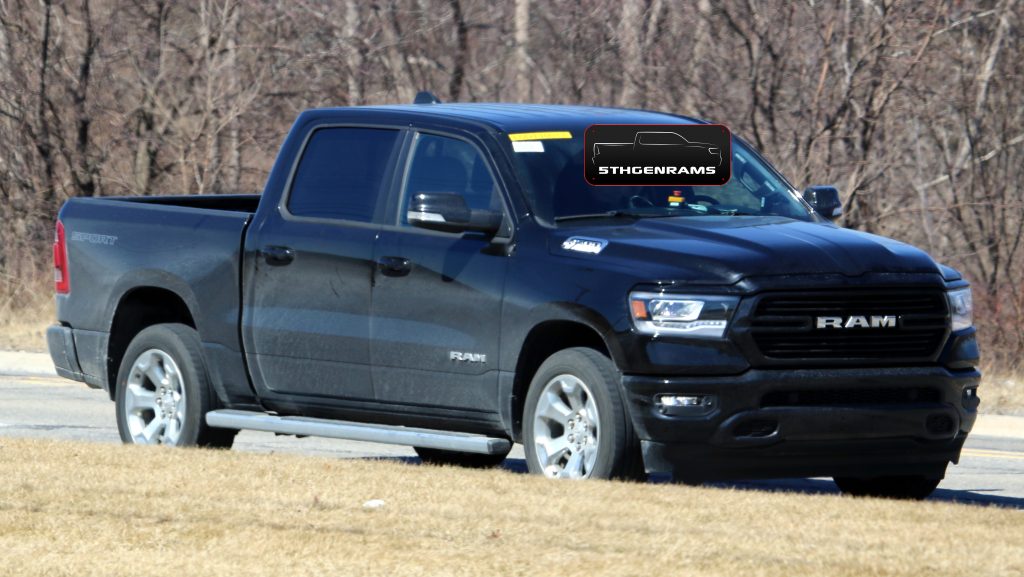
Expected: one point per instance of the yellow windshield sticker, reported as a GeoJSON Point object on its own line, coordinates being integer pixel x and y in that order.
{"type": "Point", "coordinates": [553, 135]}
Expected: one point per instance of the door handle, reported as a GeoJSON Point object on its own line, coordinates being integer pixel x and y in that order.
{"type": "Point", "coordinates": [394, 266]}
{"type": "Point", "coordinates": [277, 255]}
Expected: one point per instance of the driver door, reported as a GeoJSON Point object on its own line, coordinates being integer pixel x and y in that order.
{"type": "Point", "coordinates": [435, 321]}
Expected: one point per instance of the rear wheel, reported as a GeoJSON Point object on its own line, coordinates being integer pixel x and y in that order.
{"type": "Point", "coordinates": [163, 392]}
{"type": "Point", "coordinates": [575, 424]}
{"type": "Point", "coordinates": [893, 487]}
{"type": "Point", "coordinates": [460, 459]}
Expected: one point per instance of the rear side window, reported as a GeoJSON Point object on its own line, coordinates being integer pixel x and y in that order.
{"type": "Point", "coordinates": [661, 138]}
{"type": "Point", "coordinates": [342, 172]}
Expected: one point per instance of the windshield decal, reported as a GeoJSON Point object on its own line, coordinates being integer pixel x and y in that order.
{"type": "Point", "coordinates": [528, 146]}
{"type": "Point", "coordinates": [547, 135]}
{"type": "Point", "coordinates": [657, 155]}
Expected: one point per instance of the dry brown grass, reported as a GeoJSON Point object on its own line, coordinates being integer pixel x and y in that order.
{"type": "Point", "coordinates": [26, 309]}
{"type": "Point", "coordinates": [26, 330]}
{"type": "Point", "coordinates": [73, 509]}
{"type": "Point", "coordinates": [1002, 393]}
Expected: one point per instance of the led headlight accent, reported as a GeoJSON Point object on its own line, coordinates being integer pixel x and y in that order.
{"type": "Point", "coordinates": [961, 308]}
{"type": "Point", "coordinates": [683, 315]}
{"type": "Point", "coordinates": [674, 310]}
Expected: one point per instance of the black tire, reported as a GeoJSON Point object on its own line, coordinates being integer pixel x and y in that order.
{"type": "Point", "coordinates": [181, 344]}
{"type": "Point", "coordinates": [618, 448]}
{"type": "Point", "coordinates": [915, 487]}
{"type": "Point", "coordinates": [460, 459]}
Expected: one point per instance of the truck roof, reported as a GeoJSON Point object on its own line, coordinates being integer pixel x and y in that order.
{"type": "Point", "coordinates": [527, 117]}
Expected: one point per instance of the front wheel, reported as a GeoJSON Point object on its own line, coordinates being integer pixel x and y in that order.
{"type": "Point", "coordinates": [575, 424]}
{"type": "Point", "coordinates": [163, 392]}
{"type": "Point", "coordinates": [894, 487]}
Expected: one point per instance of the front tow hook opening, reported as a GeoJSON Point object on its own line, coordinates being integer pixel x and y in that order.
{"type": "Point", "coordinates": [940, 424]}
{"type": "Point", "coordinates": [756, 429]}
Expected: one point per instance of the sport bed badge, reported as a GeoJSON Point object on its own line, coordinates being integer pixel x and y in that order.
{"type": "Point", "coordinates": [584, 244]}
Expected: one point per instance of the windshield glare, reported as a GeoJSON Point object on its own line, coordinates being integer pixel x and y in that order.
{"type": "Point", "coordinates": [556, 189]}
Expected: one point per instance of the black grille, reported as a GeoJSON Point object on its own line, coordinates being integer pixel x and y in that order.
{"type": "Point", "coordinates": [851, 397]}
{"type": "Point", "coordinates": [783, 325]}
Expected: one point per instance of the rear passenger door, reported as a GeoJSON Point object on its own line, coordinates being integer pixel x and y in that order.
{"type": "Point", "coordinates": [437, 296]}
{"type": "Point", "coordinates": [306, 321]}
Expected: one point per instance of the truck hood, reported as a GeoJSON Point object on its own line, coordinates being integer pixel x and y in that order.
{"type": "Point", "coordinates": [724, 250]}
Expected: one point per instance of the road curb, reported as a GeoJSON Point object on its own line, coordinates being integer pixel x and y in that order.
{"type": "Point", "coordinates": [1003, 426]}
{"type": "Point", "coordinates": [23, 363]}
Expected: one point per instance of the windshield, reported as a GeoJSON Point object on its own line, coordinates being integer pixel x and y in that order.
{"type": "Point", "coordinates": [552, 174]}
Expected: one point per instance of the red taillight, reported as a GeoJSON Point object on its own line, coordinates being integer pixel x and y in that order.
{"type": "Point", "coordinates": [60, 261]}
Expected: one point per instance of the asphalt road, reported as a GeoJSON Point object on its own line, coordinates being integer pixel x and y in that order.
{"type": "Point", "coordinates": [991, 469]}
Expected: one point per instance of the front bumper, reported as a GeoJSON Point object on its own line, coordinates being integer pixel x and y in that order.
{"type": "Point", "coordinates": [833, 425]}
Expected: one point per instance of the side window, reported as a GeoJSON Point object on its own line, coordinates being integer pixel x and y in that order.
{"type": "Point", "coordinates": [661, 138]}
{"type": "Point", "coordinates": [442, 164]}
{"type": "Point", "coordinates": [341, 173]}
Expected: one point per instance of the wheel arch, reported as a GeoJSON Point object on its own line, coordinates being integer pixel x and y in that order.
{"type": "Point", "coordinates": [138, 308]}
{"type": "Point", "coordinates": [544, 339]}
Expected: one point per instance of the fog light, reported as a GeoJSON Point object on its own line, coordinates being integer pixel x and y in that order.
{"type": "Point", "coordinates": [970, 399]}
{"type": "Point", "coordinates": [686, 405]}
{"type": "Point", "coordinates": [681, 400]}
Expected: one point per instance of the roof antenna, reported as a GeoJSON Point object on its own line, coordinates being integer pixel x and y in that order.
{"type": "Point", "coordinates": [426, 97]}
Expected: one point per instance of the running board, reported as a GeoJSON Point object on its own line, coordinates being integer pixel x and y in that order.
{"type": "Point", "coordinates": [389, 434]}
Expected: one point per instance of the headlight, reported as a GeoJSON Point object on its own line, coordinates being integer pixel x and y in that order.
{"type": "Point", "coordinates": [684, 315]}
{"type": "Point", "coordinates": [961, 308]}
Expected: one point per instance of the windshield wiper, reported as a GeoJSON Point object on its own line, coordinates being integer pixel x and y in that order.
{"type": "Point", "coordinates": [735, 213]}
{"type": "Point", "coordinates": [625, 214]}
{"type": "Point", "coordinates": [606, 214]}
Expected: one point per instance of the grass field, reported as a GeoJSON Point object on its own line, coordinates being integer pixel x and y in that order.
{"type": "Point", "coordinates": [24, 316]}
{"type": "Point", "coordinates": [82, 509]}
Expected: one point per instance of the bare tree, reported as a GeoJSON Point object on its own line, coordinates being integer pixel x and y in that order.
{"type": "Point", "coordinates": [916, 110]}
{"type": "Point", "coordinates": [522, 51]}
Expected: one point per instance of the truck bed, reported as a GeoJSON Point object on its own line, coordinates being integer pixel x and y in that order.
{"type": "Point", "coordinates": [187, 245]}
{"type": "Point", "coordinates": [229, 202]}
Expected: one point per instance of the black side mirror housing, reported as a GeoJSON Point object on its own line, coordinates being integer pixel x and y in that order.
{"type": "Point", "coordinates": [448, 212]}
{"type": "Point", "coordinates": [824, 200]}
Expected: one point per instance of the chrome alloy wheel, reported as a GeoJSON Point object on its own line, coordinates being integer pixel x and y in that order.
{"type": "Point", "coordinates": [155, 400]}
{"type": "Point", "coordinates": [565, 428]}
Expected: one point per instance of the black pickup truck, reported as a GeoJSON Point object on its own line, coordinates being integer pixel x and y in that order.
{"type": "Point", "coordinates": [442, 276]}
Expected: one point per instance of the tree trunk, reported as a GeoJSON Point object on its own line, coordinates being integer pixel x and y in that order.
{"type": "Point", "coordinates": [461, 52]}
{"type": "Point", "coordinates": [353, 55]}
{"type": "Point", "coordinates": [631, 54]}
{"type": "Point", "coordinates": [234, 144]}
{"type": "Point", "coordinates": [523, 79]}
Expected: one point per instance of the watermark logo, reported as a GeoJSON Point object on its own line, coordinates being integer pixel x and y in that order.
{"type": "Point", "coordinates": [657, 154]}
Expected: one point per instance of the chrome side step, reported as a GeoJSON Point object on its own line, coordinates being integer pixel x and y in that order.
{"type": "Point", "coordinates": [390, 434]}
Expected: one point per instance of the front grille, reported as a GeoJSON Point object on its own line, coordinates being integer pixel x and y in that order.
{"type": "Point", "coordinates": [851, 397]}
{"type": "Point", "coordinates": [783, 325]}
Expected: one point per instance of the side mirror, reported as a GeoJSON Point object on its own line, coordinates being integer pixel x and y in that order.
{"type": "Point", "coordinates": [448, 212]}
{"type": "Point", "coordinates": [824, 200]}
